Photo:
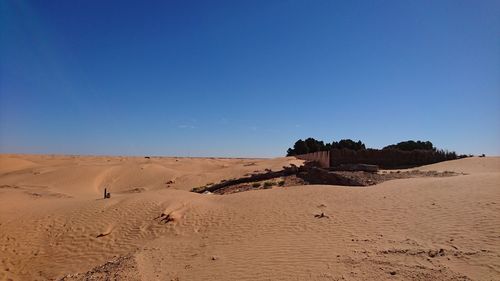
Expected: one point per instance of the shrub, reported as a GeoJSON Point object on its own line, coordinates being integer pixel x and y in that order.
{"type": "Point", "coordinates": [281, 183]}
{"type": "Point", "coordinates": [198, 189]}
{"type": "Point", "coordinates": [256, 184]}
{"type": "Point", "coordinates": [268, 184]}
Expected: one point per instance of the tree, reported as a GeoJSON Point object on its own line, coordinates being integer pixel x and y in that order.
{"type": "Point", "coordinates": [307, 146]}
{"type": "Point", "coordinates": [412, 145]}
{"type": "Point", "coordinates": [314, 145]}
{"type": "Point", "coordinates": [300, 147]}
{"type": "Point", "coordinates": [406, 153]}
{"type": "Point", "coordinates": [348, 144]}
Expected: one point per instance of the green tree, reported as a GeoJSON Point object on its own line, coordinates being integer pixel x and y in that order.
{"type": "Point", "coordinates": [300, 147]}
{"type": "Point", "coordinates": [348, 144]}
{"type": "Point", "coordinates": [314, 145]}
{"type": "Point", "coordinates": [412, 145]}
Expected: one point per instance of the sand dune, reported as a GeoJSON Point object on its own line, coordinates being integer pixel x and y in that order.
{"type": "Point", "coordinates": [55, 225]}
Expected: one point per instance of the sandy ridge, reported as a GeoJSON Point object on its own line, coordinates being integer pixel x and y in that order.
{"type": "Point", "coordinates": [409, 229]}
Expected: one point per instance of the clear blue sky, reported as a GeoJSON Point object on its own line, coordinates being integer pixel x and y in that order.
{"type": "Point", "coordinates": [246, 78]}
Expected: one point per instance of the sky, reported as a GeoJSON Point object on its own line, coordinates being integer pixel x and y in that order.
{"type": "Point", "coordinates": [246, 78]}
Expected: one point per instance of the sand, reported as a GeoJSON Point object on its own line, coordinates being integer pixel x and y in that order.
{"type": "Point", "coordinates": [55, 225]}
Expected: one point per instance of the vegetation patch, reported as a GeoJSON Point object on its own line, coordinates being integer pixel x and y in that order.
{"type": "Point", "coordinates": [268, 184]}
{"type": "Point", "coordinates": [404, 154]}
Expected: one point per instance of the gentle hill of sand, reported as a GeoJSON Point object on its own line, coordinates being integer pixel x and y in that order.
{"type": "Point", "coordinates": [88, 176]}
{"type": "Point", "coordinates": [474, 165]}
{"type": "Point", "coordinates": [53, 223]}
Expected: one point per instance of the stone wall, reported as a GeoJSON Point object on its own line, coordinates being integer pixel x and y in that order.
{"type": "Point", "coordinates": [386, 158]}
{"type": "Point", "coordinates": [320, 157]}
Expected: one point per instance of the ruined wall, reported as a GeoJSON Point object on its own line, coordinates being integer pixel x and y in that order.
{"type": "Point", "coordinates": [386, 158]}
{"type": "Point", "coordinates": [321, 157]}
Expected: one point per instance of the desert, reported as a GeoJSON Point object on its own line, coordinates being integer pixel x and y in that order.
{"type": "Point", "coordinates": [55, 225]}
{"type": "Point", "coordinates": [275, 140]}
